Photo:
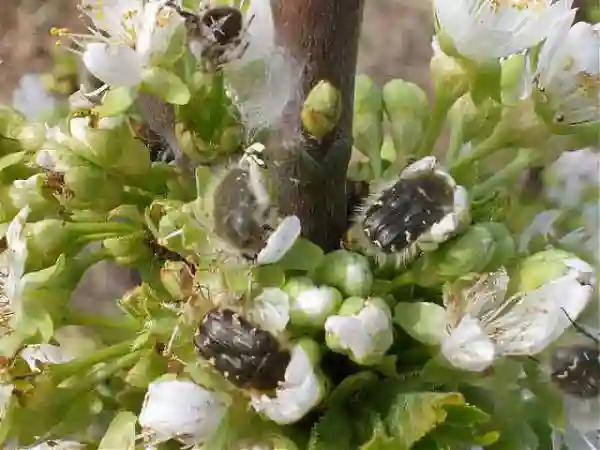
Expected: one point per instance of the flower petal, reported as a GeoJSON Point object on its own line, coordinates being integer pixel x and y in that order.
{"type": "Point", "coordinates": [468, 347]}
{"type": "Point", "coordinates": [271, 310]}
{"type": "Point", "coordinates": [118, 18]}
{"type": "Point", "coordinates": [115, 64]}
{"type": "Point", "coordinates": [45, 354]}
{"type": "Point", "coordinates": [280, 241]}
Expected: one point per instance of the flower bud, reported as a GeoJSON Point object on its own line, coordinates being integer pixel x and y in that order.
{"type": "Point", "coordinates": [362, 329]}
{"type": "Point", "coordinates": [296, 285]}
{"type": "Point", "coordinates": [547, 266]}
{"type": "Point", "coordinates": [349, 272]}
{"type": "Point", "coordinates": [37, 355]}
{"type": "Point", "coordinates": [181, 410]}
{"type": "Point", "coordinates": [312, 306]}
{"type": "Point", "coordinates": [32, 136]}
{"type": "Point", "coordinates": [83, 181]}
{"type": "Point", "coordinates": [407, 108]}
{"type": "Point", "coordinates": [10, 122]}
{"type": "Point", "coordinates": [303, 388]}
{"type": "Point", "coordinates": [129, 250]}
{"type": "Point", "coordinates": [271, 310]}
{"type": "Point", "coordinates": [367, 127]}
{"type": "Point", "coordinates": [33, 192]}
{"type": "Point", "coordinates": [321, 110]}
{"type": "Point", "coordinates": [478, 121]}
{"type": "Point", "coordinates": [448, 74]}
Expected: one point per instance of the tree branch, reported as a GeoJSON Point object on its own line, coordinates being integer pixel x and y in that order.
{"type": "Point", "coordinates": [310, 176]}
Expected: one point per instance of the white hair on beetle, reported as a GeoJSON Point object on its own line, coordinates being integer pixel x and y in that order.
{"type": "Point", "coordinates": [266, 78]}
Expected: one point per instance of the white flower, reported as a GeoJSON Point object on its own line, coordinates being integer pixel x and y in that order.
{"type": "Point", "coordinates": [182, 410]}
{"type": "Point", "coordinates": [568, 71]}
{"type": "Point", "coordinates": [15, 257]}
{"type": "Point", "coordinates": [32, 99]}
{"type": "Point", "coordinates": [137, 32]}
{"type": "Point", "coordinates": [484, 323]}
{"type": "Point", "coordinates": [484, 30]}
{"type": "Point", "coordinates": [271, 310]}
{"type": "Point", "coordinates": [572, 175]}
{"type": "Point", "coordinates": [363, 330]}
{"type": "Point", "coordinates": [44, 354]}
{"type": "Point", "coordinates": [280, 241]}
{"type": "Point", "coordinates": [46, 156]}
{"type": "Point", "coordinates": [302, 389]}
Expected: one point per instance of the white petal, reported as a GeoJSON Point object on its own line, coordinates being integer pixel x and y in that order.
{"type": "Point", "coordinates": [58, 445]}
{"type": "Point", "coordinates": [6, 391]}
{"type": "Point", "coordinates": [32, 99]}
{"type": "Point", "coordinates": [44, 354]}
{"type": "Point", "coordinates": [468, 347]}
{"type": "Point", "coordinates": [271, 310]}
{"type": "Point", "coordinates": [571, 175]}
{"type": "Point", "coordinates": [538, 318]}
{"type": "Point", "coordinates": [312, 306]}
{"type": "Point", "coordinates": [299, 393]}
{"type": "Point", "coordinates": [181, 410]}
{"type": "Point", "coordinates": [157, 25]}
{"type": "Point", "coordinates": [119, 18]}
{"type": "Point", "coordinates": [115, 64]}
{"type": "Point", "coordinates": [16, 256]}
{"type": "Point", "coordinates": [280, 241]}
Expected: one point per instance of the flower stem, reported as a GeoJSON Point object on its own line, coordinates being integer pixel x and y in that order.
{"type": "Point", "coordinates": [525, 159]}
{"type": "Point", "coordinates": [61, 372]}
{"type": "Point", "coordinates": [434, 126]}
{"type": "Point", "coordinates": [77, 318]}
{"type": "Point", "coordinates": [500, 138]}
{"type": "Point", "coordinates": [456, 140]}
{"type": "Point", "coordinates": [101, 228]}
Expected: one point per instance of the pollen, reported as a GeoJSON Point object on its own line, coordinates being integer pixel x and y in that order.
{"type": "Point", "coordinates": [59, 32]}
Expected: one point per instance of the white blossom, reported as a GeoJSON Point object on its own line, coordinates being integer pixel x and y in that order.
{"type": "Point", "coordinates": [271, 310]}
{"type": "Point", "coordinates": [568, 71]}
{"type": "Point", "coordinates": [32, 98]}
{"type": "Point", "coordinates": [137, 30]}
{"type": "Point", "coordinates": [312, 306]}
{"type": "Point", "coordinates": [182, 410]}
{"type": "Point", "coordinates": [484, 323]}
{"type": "Point", "coordinates": [302, 389]}
{"type": "Point", "coordinates": [14, 258]}
{"type": "Point", "coordinates": [280, 241]}
{"type": "Point", "coordinates": [572, 175]}
{"type": "Point", "coordinates": [44, 354]}
{"type": "Point", "coordinates": [484, 30]}
{"type": "Point", "coordinates": [365, 335]}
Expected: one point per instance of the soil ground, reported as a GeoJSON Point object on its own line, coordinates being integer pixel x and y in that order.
{"type": "Point", "coordinates": [395, 38]}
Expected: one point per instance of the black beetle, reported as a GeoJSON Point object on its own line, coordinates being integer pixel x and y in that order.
{"type": "Point", "coordinates": [247, 356]}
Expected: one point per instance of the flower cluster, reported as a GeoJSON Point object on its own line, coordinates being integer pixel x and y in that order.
{"type": "Point", "coordinates": [449, 319]}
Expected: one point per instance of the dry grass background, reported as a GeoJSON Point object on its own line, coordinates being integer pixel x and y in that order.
{"type": "Point", "coordinates": [395, 38]}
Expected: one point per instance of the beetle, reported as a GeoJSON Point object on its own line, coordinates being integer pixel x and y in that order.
{"type": "Point", "coordinates": [249, 357]}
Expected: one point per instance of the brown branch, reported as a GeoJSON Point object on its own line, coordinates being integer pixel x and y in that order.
{"type": "Point", "coordinates": [310, 176]}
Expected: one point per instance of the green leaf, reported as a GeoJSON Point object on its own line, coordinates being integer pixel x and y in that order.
{"type": "Point", "coordinates": [11, 159]}
{"type": "Point", "coordinates": [116, 101]}
{"type": "Point", "coordinates": [146, 370]}
{"type": "Point", "coordinates": [466, 415]}
{"type": "Point", "coordinates": [380, 440]}
{"type": "Point", "coordinates": [425, 322]}
{"type": "Point", "coordinates": [269, 276]}
{"type": "Point", "coordinates": [120, 433]}
{"type": "Point", "coordinates": [166, 85]}
{"type": "Point", "coordinates": [303, 256]}
{"type": "Point", "coordinates": [333, 431]}
{"type": "Point", "coordinates": [350, 385]}
{"type": "Point", "coordinates": [413, 415]}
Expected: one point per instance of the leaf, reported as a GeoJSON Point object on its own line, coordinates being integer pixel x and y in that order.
{"type": "Point", "coordinates": [269, 276]}
{"type": "Point", "coordinates": [116, 101]}
{"type": "Point", "coordinates": [425, 322]}
{"type": "Point", "coordinates": [380, 440]}
{"type": "Point", "coordinates": [466, 415]}
{"type": "Point", "coordinates": [303, 256]}
{"type": "Point", "coordinates": [166, 85]}
{"type": "Point", "coordinates": [120, 433]}
{"type": "Point", "coordinates": [413, 415]}
{"type": "Point", "coordinates": [11, 159]}
{"type": "Point", "coordinates": [351, 385]}
{"type": "Point", "coordinates": [332, 431]}
{"type": "Point", "coordinates": [146, 370]}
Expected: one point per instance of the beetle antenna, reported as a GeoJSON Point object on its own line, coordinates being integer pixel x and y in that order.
{"type": "Point", "coordinates": [580, 328]}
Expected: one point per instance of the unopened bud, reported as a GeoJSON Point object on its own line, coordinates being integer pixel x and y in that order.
{"type": "Point", "coordinates": [367, 127]}
{"type": "Point", "coordinates": [349, 272]}
{"type": "Point", "coordinates": [321, 110]}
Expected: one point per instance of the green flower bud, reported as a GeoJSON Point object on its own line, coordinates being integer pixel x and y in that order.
{"type": "Point", "coordinates": [83, 183]}
{"type": "Point", "coordinates": [179, 231]}
{"type": "Point", "coordinates": [477, 121]}
{"type": "Point", "coordinates": [546, 266]}
{"type": "Point", "coordinates": [321, 110]}
{"type": "Point", "coordinates": [364, 335]}
{"type": "Point", "coordinates": [349, 272]}
{"type": "Point", "coordinates": [7, 208]}
{"type": "Point", "coordinates": [367, 127]}
{"type": "Point", "coordinates": [448, 73]}
{"type": "Point", "coordinates": [296, 285]}
{"type": "Point", "coordinates": [49, 238]}
{"type": "Point", "coordinates": [129, 250]}
{"type": "Point", "coordinates": [31, 136]}
{"type": "Point", "coordinates": [33, 192]}
{"type": "Point", "coordinates": [407, 108]}
{"type": "Point", "coordinates": [311, 307]}
{"type": "Point", "coordinates": [10, 122]}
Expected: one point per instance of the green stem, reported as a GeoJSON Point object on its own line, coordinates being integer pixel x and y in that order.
{"type": "Point", "coordinates": [456, 140]}
{"type": "Point", "coordinates": [434, 125]}
{"type": "Point", "coordinates": [525, 159]}
{"type": "Point", "coordinates": [77, 318]}
{"type": "Point", "coordinates": [499, 139]}
{"type": "Point", "coordinates": [61, 372]}
{"type": "Point", "coordinates": [102, 228]}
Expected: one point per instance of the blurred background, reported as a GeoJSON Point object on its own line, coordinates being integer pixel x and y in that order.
{"type": "Point", "coordinates": [395, 38]}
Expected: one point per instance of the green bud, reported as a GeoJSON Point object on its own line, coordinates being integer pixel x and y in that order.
{"type": "Point", "coordinates": [349, 272]}
{"type": "Point", "coordinates": [33, 192]}
{"type": "Point", "coordinates": [179, 231]}
{"type": "Point", "coordinates": [7, 208]}
{"type": "Point", "coordinates": [407, 108]}
{"type": "Point", "coordinates": [449, 75]}
{"type": "Point", "coordinates": [321, 110]}
{"type": "Point", "coordinates": [478, 121]}
{"type": "Point", "coordinates": [367, 127]}
{"type": "Point", "coordinates": [513, 69]}
{"type": "Point", "coordinates": [32, 136]}
{"type": "Point", "coordinates": [351, 306]}
{"type": "Point", "coordinates": [10, 122]}
{"type": "Point", "coordinates": [295, 285]}
{"type": "Point", "coordinates": [85, 180]}
{"type": "Point", "coordinates": [129, 250]}
{"type": "Point", "coordinates": [505, 247]}
{"type": "Point", "coordinates": [150, 366]}
{"type": "Point", "coordinates": [231, 139]}
{"type": "Point", "coordinates": [312, 306]}
{"type": "Point", "coordinates": [312, 350]}
{"type": "Point", "coordinates": [544, 267]}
